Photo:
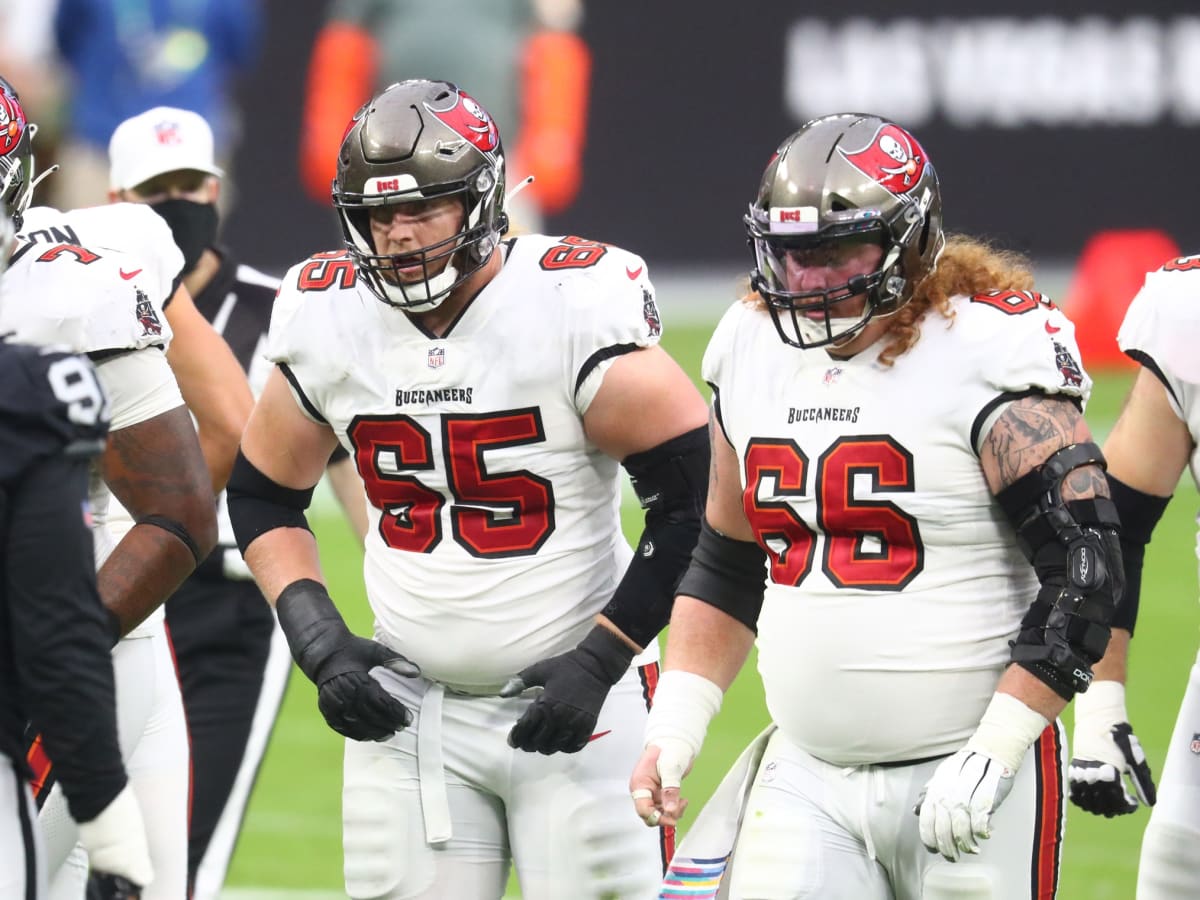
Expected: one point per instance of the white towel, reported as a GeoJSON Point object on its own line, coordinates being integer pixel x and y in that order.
{"type": "Point", "coordinates": [699, 865]}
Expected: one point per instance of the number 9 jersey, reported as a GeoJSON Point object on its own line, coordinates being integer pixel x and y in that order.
{"type": "Point", "coordinates": [895, 580]}
{"type": "Point", "coordinates": [494, 531]}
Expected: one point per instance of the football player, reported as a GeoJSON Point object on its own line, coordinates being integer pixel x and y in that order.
{"type": "Point", "coordinates": [489, 391]}
{"type": "Point", "coordinates": [95, 280]}
{"type": "Point", "coordinates": [897, 440]}
{"type": "Point", "coordinates": [232, 659]}
{"type": "Point", "coordinates": [1154, 440]}
{"type": "Point", "coordinates": [55, 668]}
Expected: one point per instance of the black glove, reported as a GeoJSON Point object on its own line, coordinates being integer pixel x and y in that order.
{"type": "Point", "coordinates": [353, 703]}
{"type": "Point", "coordinates": [111, 887]}
{"type": "Point", "coordinates": [576, 683]}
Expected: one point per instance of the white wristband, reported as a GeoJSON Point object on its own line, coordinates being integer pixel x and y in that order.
{"type": "Point", "coordinates": [1007, 730]}
{"type": "Point", "coordinates": [684, 703]}
{"type": "Point", "coordinates": [1103, 700]}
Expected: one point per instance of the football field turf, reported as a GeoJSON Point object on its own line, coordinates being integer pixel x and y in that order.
{"type": "Point", "coordinates": [291, 839]}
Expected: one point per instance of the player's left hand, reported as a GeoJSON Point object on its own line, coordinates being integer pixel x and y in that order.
{"type": "Point", "coordinates": [1106, 752]}
{"type": "Point", "coordinates": [956, 806]}
{"type": "Point", "coordinates": [575, 683]}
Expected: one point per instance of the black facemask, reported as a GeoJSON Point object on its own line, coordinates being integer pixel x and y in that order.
{"type": "Point", "coordinates": [193, 224]}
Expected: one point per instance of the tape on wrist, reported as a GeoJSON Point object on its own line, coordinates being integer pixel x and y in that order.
{"type": "Point", "coordinates": [1102, 700]}
{"type": "Point", "coordinates": [1007, 730]}
{"type": "Point", "coordinates": [684, 704]}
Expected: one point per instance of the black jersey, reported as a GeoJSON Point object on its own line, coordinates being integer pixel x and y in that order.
{"type": "Point", "coordinates": [55, 637]}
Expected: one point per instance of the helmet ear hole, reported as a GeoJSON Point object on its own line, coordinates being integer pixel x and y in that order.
{"type": "Point", "coordinates": [923, 241]}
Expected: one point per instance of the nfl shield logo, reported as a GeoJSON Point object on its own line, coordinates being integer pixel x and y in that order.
{"type": "Point", "coordinates": [1195, 745]}
{"type": "Point", "coordinates": [436, 358]}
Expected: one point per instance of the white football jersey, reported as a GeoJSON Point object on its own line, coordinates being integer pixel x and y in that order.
{"type": "Point", "coordinates": [1161, 330]}
{"type": "Point", "coordinates": [896, 583]}
{"type": "Point", "coordinates": [494, 532]}
{"type": "Point", "coordinates": [95, 281]}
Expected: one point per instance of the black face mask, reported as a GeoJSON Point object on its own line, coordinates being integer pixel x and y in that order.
{"type": "Point", "coordinates": [193, 224]}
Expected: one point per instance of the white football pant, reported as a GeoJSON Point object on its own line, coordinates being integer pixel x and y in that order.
{"type": "Point", "coordinates": [565, 821]}
{"type": "Point", "coordinates": [1169, 866]}
{"type": "Point", "coordinates": [816, 830]}
{"type": "Point", "coordinates": [153, 735]}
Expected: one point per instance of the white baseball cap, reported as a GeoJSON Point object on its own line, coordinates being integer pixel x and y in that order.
{"type": "Point", "coordinates": [163, 139]}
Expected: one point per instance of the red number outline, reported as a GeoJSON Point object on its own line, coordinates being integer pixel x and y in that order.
{"type": "Point", "coordinates": [573, 253]}
{"type": "Point", "coordinates": [411, 517]}
{"type": "Point", "coordinates": [847, 521]}
{"type": "Point", "coordinates": [1182, 264]}
{"type": "Point", "coordinates": [774, 521]}
{"type": "Point", "coordinates": [844, 521]}
{"type": "Point", "coordinates": [1013, 303]}
{"type": "Point", "coordinates": [323, 269]}
{"type": "Point", "coordinates": [411, 510]}
{"type": "Point", "coordinates": [81, 254]}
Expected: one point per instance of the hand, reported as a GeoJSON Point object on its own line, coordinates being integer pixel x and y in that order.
{"type": "Point", "coordinates": [957, 803]}
{"type": "Point", "coordinates": [338, 662]}
{"type": "Point", "coordinates": [111, 887]}
{"type": "Point", "coordinates": [116, 841]}
{"type": "Point", "coordinates": [576, 684]}
{"type": "Point", "coordinates": [654, 785]}
{"type": "Point", "coordinates": [353, 703]}
{"type": "Point", "coordinates": [1106, 751]}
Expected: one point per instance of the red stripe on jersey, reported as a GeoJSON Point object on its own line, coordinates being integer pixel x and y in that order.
{"type": "Point", "coordinates": [649, 674]}
{"type": "Point", "coordinates": [667, 845]}
{"type": "Point", "coordinates": [666, 842]}
{"type": "Point", "coordinates": [42, 768]}
{"type": "Point", "coordinates": [1048, 824]}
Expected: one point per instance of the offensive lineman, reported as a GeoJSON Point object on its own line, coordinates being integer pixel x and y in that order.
{"type": "Point", "coordinates": [487, 390]}
{"type": "Point", "coordinates": [55, 669]}
{"type": "Point", "coordinates": [232, 660]}
{"type": "Point", "coordinates": [1154, 440]}
{"type": "Point", "coordinates": [100, 277]}
{"type": "Point", "coordinates": [896, 430]}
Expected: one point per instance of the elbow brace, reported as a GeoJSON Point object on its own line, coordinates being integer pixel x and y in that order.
{"type": "Point", "coordinates": [671, 481]}
{"type": "Point", "coordinates": [258, 505]}
{"type": "Point", "coordinates": [1074, 547]}
{"type": "Point", "coordinates": [728, 574]}
{"type": "Point", "coordinates": [1139, 514]}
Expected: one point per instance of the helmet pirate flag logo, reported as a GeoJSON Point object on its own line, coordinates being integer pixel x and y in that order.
{"type": "Point", "coordinates": [12, 124]}
{"type": "Point", "coordinates": [893, 159]}
{"type": "Point", "coordinates": [467, 118]}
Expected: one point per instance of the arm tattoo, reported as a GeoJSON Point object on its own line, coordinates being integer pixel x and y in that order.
{"type": "Point", "coordinates": [1027, 433]}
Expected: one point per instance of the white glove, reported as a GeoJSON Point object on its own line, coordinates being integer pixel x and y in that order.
{"type": "Point", "coordinates": [116, 840]}
{"type": "Point", "coordinates": [956, 807]}
{"type": "Point", "coordinates": [1106, 751]}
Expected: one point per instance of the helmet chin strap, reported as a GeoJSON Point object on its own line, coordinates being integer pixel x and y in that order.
{"type": "Point", "coordinates": [437, 289]}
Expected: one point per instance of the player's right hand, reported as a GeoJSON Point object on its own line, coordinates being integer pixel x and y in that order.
{"type": "Point", "coordinates": [1105, 753]}
{"type": "Point", "coordinates": [353, 703]}
{"type": "Point", "coordinates": [654, 785]}
{"type": "Point", "coordinates": [956, 806]}
{"type": "Point", "coordinates": [116, 840]}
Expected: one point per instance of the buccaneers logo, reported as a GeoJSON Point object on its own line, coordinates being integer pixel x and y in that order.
{"type": "Point", "coordinates": [467, 118]}
{"type": "Point", "coordinates": [650, 312]}
{"type": "Point", "coordinates": [146, 316]}
{"type": "Point", "coordinates": [893, 159]}
{"type": "Point", "coordinates": [12, 124]}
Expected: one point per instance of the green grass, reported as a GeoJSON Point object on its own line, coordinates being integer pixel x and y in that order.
{"type": "Point", "coordinates": [292, 839]}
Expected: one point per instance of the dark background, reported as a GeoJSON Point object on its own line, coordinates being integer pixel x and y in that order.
{"type": "Point", "coordinates": [687, 102]}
